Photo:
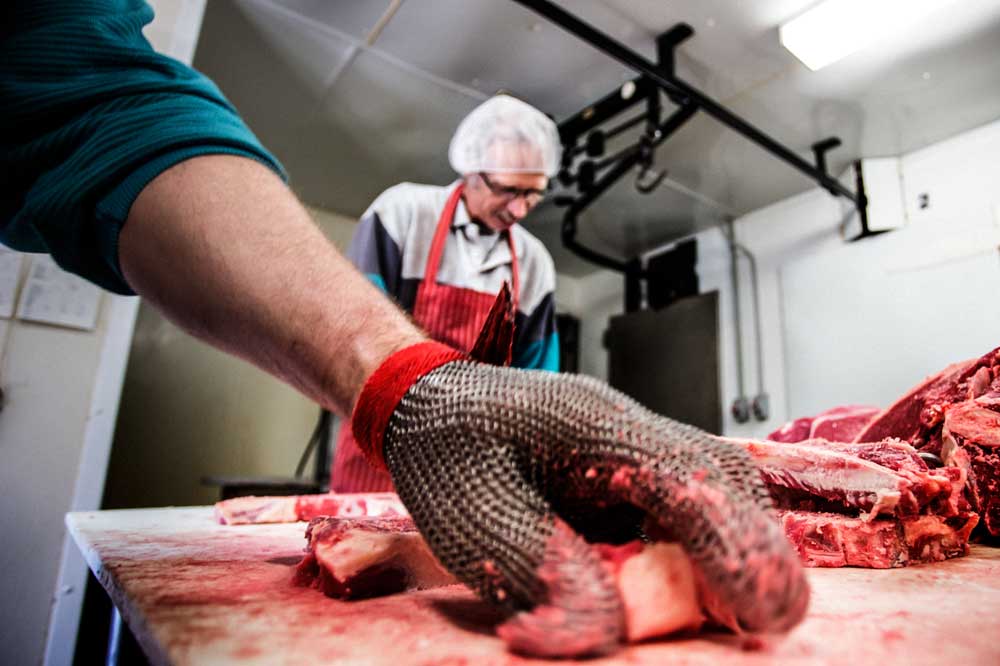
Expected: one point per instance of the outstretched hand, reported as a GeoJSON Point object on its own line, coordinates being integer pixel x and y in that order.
{"type": "Point", "coordinates": [495, 464]}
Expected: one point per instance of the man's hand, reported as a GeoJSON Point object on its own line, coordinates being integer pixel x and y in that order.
{"type": "Point", "coordinates": [485, 459]}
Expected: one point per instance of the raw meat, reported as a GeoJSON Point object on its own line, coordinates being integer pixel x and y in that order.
{"type": "Point", "coordinates": [294, 508]}
{"type": "Point", "coordinates": [970, 436]}
{"type": "Point", "coordinates": [883, 478]}
{"type": "Point", "coordinates": [915, 415]}
{"type": "Point", "coordinates": [875, 505]}
{"type": "Point", "coordinates": [355, 558]}
{"type": "Point", "coordinates": [835, 540]}
{"type": "Point", "coordinates": [840, 424]}
{"type": "Point", "coordinates": [954, 414]}
{"type": "Point", "coordinates": [957, 409]}
{"type": "Point", "coordinates": [659, 589]}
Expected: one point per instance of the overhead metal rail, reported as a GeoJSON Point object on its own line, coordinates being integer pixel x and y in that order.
{"type": "Point", "coordinates": [593, 177]}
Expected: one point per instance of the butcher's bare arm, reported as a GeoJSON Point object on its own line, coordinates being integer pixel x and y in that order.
{"type": "Point", "coordinates": [224, 249]}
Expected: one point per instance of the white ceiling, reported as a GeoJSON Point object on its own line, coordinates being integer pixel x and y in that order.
{"type": "Point", "coordinates": [349, 118]}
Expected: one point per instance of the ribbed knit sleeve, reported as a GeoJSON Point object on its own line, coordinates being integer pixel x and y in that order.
{"type": "Point", "coordinates": [89, 114]}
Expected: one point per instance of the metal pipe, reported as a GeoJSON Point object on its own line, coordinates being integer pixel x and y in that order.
{"type": "Point", "coordinates": [740, 407]}
{"type": "Point", "coordinates": [756, 316]}
{"type": "Point", "coordinates": [628, 124]}
{"type": "Point", "coordinates": [579, 205]}
{"type": "Point", "coordinates": [630, 157]}
{"type": "Point", "coordinates": [679, 92]}
{"type": "Point", "coordinates": [611, 159]}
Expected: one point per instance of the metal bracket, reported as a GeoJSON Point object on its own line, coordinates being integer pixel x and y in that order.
{"type": "Point", "coordinates": [862, 206]}
{"type": "Point", "coordinates": [667, 43]}
{"type": "Point", "coordinates": [662, 75]}
{"type": "Point", "coordinates": [820, 149]}
{"type": "Point", "coordinates": [647, 180]}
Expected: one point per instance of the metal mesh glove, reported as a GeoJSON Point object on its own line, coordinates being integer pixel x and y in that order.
{"type": "Point", "coordinates": [483, 456]}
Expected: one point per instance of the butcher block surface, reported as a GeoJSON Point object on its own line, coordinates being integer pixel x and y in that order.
{"type": "Point", "coordinates": [196, 592]}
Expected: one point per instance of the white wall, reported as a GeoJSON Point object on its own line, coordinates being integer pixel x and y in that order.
{"type": "Point", "coordinates": [806, 223]}
{"type": "Point", "coordinates": [847, 322]}
{"type": "Point", "coordinates": [62, 390]}
{"type": "Point", "coordinates": [861, 322]}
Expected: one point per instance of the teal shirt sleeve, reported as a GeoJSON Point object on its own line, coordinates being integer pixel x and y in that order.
{"type": "Point", "coordinates": [91, 114]}
{"type": "Point", "coordinates": [378, 281]}
{"type": "Point", "coordinates": [540, 355]}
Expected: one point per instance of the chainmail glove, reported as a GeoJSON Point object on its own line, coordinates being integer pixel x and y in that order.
{"type": "Point", "coordinates": [495, 463]}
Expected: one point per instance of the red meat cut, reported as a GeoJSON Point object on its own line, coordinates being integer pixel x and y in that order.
{"type": "Point", "coordinates": [356, 558]}
{"type": "Point", "coordinates": [885, 478]}
{"type": "Point", "coordinates": [954, 414]}
{"type": "Point", "coordinates": [840, 424]}
{"type": "Point", "coordinates": [294, 508]}
{"type": "Point", "coordinates": [836, 540]}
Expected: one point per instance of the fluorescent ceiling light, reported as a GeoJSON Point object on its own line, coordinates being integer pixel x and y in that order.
{"type": "Point", "coordinates": [834, 29]}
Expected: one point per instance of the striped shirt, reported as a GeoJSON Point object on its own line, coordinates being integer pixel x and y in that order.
{"type": "Point", "coordinates": [393, 240]}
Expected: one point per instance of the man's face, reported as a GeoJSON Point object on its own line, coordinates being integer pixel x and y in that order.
{"type": "Point", "coordinates": [499, 200]}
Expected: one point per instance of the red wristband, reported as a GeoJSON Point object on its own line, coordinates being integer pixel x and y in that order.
{"type": "Point", "coordinates": [386, 387]}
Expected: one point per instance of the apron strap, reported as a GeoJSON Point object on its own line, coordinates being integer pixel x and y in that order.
{"type": "Point", "coordinates": [441, 235]}
{"type": "Point", "coordinates": [514, 269]}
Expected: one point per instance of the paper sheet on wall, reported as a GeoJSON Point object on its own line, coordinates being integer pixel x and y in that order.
{"type": "Point", "coordinates": [10, 272]}
{"type": "Point", "coordinates": [53, 296]}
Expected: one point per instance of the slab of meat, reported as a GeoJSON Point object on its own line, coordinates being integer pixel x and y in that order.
{"type": "Point", "coordinates": [883, 478]}
{"type": "Point", "coordinates": [836, 540]}
{"type": "Point", "coordinates": [356, 558]}
{"type": "Point", "coordinates": [295, 508]}
{"type": "Point", "coordinates": [954, 414]}
{"type": "Point", "coordinates": [970, 437]}
{"type": "Point", "coordinates": [918, 414]}
{"type": "Point", "coordinates": [840, 424]}
{"type": "Point", "coordinates": [875, 504]}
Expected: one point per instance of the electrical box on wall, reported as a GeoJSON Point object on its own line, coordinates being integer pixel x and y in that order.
{"type": "Point", "coordinates": [883, 186]}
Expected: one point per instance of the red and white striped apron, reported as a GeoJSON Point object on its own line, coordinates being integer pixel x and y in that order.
{"type": "Point", "coordinates": [452, 315]}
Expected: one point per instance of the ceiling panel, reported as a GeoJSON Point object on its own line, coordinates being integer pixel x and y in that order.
{"type": "Point", "coordinates": [354, 17]}
{"type": "Point", "coordinates": [501, 45]}
{"type": "Point", "coordinates": [380, 124]}
{"type": "Point", "coordinates": [272, 65]}
{"type": "Point", "coordinates": [734, 46]}
{"type": "Point", "coordinates": [349, 121]}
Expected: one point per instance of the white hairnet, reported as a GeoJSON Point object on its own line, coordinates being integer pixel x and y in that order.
{"type": "Point", "coordinates": [505, 135]}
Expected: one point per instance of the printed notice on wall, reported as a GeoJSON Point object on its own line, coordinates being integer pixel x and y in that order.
{"type": "Point", "coordinates": [10, 272]}
{"type": "Point", "coordinates": [53, 296]}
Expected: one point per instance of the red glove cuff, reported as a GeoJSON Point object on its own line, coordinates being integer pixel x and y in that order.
{"type": "Point", "coordinates": [385, 388]}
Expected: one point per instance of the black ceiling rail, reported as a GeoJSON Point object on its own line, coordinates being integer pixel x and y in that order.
{"type": "Point", "coordinates": [662, 76]}
{"type": "Point", "coordinates": [678, 91]}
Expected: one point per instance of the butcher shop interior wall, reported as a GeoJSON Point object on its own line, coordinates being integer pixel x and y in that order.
{"type": "Point", "coordinates": [860, 322]}
{"type": "Point", "coordinates": [847, 322]}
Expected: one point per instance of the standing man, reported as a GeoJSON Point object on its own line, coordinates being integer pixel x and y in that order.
{"type": "Point", "coordinates": [443, 252]}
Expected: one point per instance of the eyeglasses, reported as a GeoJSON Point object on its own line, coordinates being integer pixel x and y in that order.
{"type": "Point", "coordinates": [531, 196]}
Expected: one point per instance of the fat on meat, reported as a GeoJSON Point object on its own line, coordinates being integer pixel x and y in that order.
{"type": "Point", "coordinates": [953, 414]}
{"type": "Point", "coordinates": [357, 558]}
